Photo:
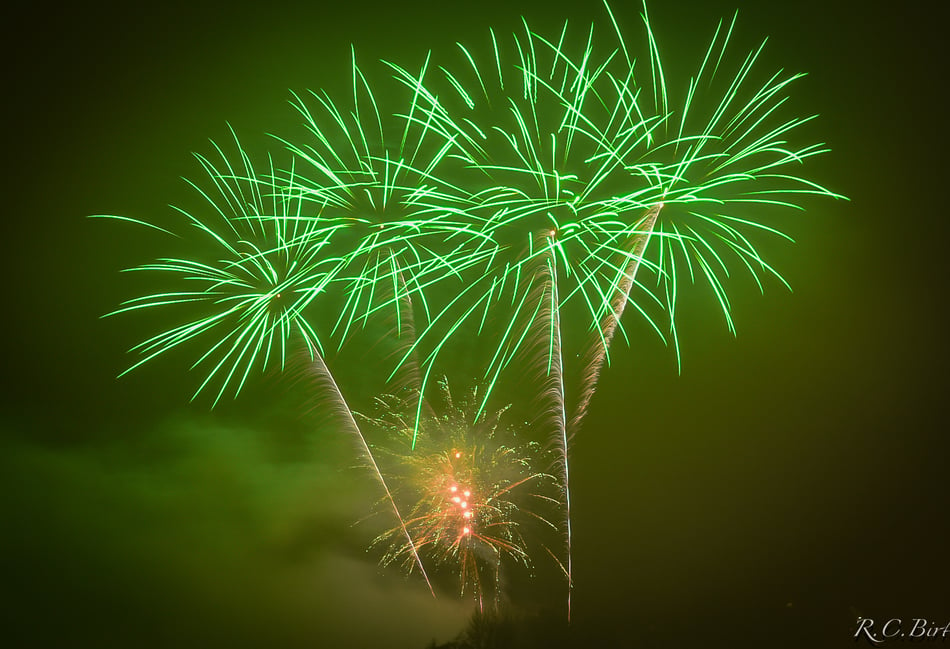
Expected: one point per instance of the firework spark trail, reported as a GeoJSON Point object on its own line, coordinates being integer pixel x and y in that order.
{"type": "Point", "coordinates": [534, 338]}
{"type": "Point", "coordinates": [405, 331]}
{"type": "Point", "coordinates": [407, 375]}
{"type": "Point", "coordinates": [342, 408]}
{"type": "Point", "coordinates": [597, 349]}
{"type": "Point", "coordinates": [550, 318]}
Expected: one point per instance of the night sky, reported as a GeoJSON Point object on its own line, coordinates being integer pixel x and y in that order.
{"type": "Point", "coordinates": [784, 483]}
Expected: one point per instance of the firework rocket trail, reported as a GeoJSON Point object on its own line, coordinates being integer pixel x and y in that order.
{"type": "Point", "coordinates": [597, 349]}
{"type": "Point", "coordinates": [406, 334]}
{"type": "Point", "coordinates": [551, 313]}
{"type": "Point", "coordinates": [321, 370]}
{"type": "Point", "coordinates": [407, 374]}
{"type": "Point", "coordinates": [534, 337]}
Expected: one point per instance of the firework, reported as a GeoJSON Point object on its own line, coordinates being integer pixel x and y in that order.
{"type": "Point", "coordinates": [576, 166]}
{"type": "Point", "coordinates": [378, 178]}
{"type": "Point", "coordinates": [545, 133]}
{"type": "Point", "coordinates": [472, 493]}
{"type": "Point", "coordinates": [261, 267]}
{"type": "Point", "coordinates": [559, 134]}
{"type": "Point", "coordinates": [582, 183]}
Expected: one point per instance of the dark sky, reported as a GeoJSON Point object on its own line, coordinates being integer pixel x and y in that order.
{"type": "Point", "coordinates": [787, 481]}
